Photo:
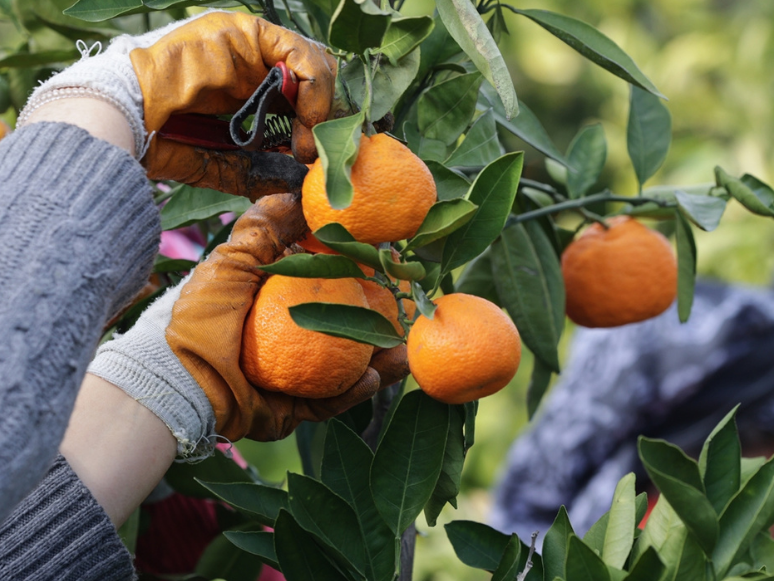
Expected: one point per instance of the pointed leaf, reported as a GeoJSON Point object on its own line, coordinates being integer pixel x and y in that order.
{"type": "Point", "coordinates": [337, 144]}
{"type": "Point", "coordinates": [555, 545]}
{"type": "Point", "coordinates": [336, 237]}
{"type": "Point", "coordinates": [448, 486]}
{"type": "Point", "coordinates": [188, 205]}
{"type": "Point", "coordinates": [444, 110]}
{"type": "Point", "coordinates": [508, 567]}
{"type": "Point", "coordinates": [401, 270]}
{"type": "Point", "coordinates": [619, 535]}
{"type": "Point", "coordinates": [409, 459]}
{"type": "Point", "coordinates": [404, 35]}
{"type": "Point", "coordinates": [583, 564]}
{"type": "Point", "coordinates": [262, 502]}
{"type": "Point", "coordinates": [677, 477]}
{"type": "Point", "coordinates": [164, 264]}
{"type": "Point", "coordinates": [529, 283]}
{"type": "Point", "coordinates": [749, 512]}
{"type": "Point", "coordinates": [587, 154]}
{"type": "Point", "coordinates": [182, 477]}
{"type": "Point", "coordinates": [466, 27]}
{"type": "Point", "coordinates": [648, 567]}
{"type": "Point", "coordinates": [719, 462]}
{"type": "Point", "coordinates": [493, 191]}
{"type": "Point", "coordinates": [593, 45]}
{"type": "Point", "coordinates": [300, 558]}
{"type": "Point", "coordinates": [38, 59]}
{"type": "Point", "coordinates": [595, 536]}
{"type": "Point", "coordinates": [762, 551]}
{"type": "Point", "coordinates": [448, 183]}
{"type": "Point", "coordinates": [223, 559]}
{"type": "Point", "coordinates": [318, 510]}
{"type": "Point", "coordinates": [424, 305]}
{"type": "Point", "coordinates": [443, 218]}
{"type": "Point", "coordinates": [99, 10]}
{"type": "Point", "coordinates": [648, 133]}
{"type": "Point", "coordinates": [538, 385]}
{"type": "Point", "coordinates": [315, 266]}
{"type": "Point", "coordinates": [310, 437]}
{"type": "Point", "coordinates": [427, 149]}
{"type": "Point", "coordinates": [477, 278]}
{"type": "Point", "coordinates": [752, 193]}
{"type": "Point", "coordinates": [476, 544]}
{"type": "Point", "coordinates": [705, 211]}
{"type": "Point", "coordinates": [345, 470]}
{"type": "Point", "coordinates": [686, 266]}
{"type": "Point", "coordinates": [357, 25]}
{"type": "Point", "coordinates": [480, 146]}
{"type": "Point", "coordinates": [347, 321]}
{"type": "Point", "coordinates": [259, 543]}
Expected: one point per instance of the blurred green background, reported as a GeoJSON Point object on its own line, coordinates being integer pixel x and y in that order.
{"type": "Point", "coordinates": [713, 60]}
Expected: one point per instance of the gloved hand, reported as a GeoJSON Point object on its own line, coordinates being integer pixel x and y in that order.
{"type": "Point", "coordinates": [181, 358]}
{"type": "Point", "coordinates": [209, 64]}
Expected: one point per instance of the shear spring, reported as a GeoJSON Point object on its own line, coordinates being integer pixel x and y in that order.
{"type": "Point", "coordinates": [277, 132]}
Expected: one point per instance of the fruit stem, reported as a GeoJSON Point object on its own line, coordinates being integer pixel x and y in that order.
{"type": "Point", "coordinates": [592, 217]}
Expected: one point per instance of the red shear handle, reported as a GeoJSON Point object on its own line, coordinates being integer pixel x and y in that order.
{"type": "Point", "coordinates": [289, 83]}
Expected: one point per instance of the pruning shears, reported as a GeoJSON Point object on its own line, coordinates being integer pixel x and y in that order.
{"type": "Point", "coordinates": [265, 133]}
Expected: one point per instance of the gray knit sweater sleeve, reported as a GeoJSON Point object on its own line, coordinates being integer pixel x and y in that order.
{"type": "Point", "coordinates": [78, 234]}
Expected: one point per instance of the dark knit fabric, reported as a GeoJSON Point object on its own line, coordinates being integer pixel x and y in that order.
{"type": "Point", "coordinates": [60, 533]}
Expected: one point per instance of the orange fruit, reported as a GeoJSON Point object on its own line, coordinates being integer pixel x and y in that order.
{"type": "Point", "coordinates": [468, 350]}
{"type": "Point", "coordinates": [392, 193]}
{"type": "Point", "coordinates": [4, 129]}
{"type": "Point", "coordinates": [312, 244]}
{"type": "Point", "coordinates": [278, 355]}
{"type": "Point", "coordinates": [382, 300]}
{"type": "Point", "coordinates": [622, 275]}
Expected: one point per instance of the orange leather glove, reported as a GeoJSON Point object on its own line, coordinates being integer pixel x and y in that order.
{"type": "Point", "coordinates": [187, 344]}
{"type": "Point", "coordinates": [212, 65]}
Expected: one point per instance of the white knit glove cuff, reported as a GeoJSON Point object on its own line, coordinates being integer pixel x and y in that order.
{"type": "Point", "coordinates": [108, 77]}
{"type": "Point", "coordinates": [142, 364]}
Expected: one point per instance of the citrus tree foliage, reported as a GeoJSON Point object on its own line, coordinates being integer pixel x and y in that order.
{"type": "Point", "coordinates": [440, 84]}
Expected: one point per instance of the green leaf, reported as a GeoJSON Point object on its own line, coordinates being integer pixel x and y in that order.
{"type": "Point", "coordinates": [401, 270]}
{"type": "Point", "coordinates": [347, 321]}
{"type": "Point", "coordinates": [335, 236]}
{"type": "Point", "coordinates": [619, 535]}
{"type": "Point", "coordinates": [38, 59]}
{"type": "Point", "coordinates": [444, 110]}
{"type": "Point", "coordinates": [476, 544]}
{"type": "Point", "coordinates": [593, 45]}
{"type": "Point", "coordinates": [390, 81]}
{"type": "Point", "coordinates": [318, 510]}
{"type": "Point", "coordinates": [358, 25]}
{"type": "Point", "coordinates": [677, 477]}
{"type": "Point", "coordinates": [762, 551]}
{"type": "Point", "coordinates": [448, 486]}
{"type": "Point", "coordinates": [425, 306]}
{"type": "Point", "coordinates": [99, 10]}
{"type": "Point", "coordinates": [686, 266]}
{"type": "Point", "coordinates": [583, 564]}
{"type": "Point", "coordinates": [648, 133]}
{"type": "Point", "coordinates": [493, 191]}
{"type": "Point", "coordinates": [345, 470]}
{"type": "Point", "coordinates": [260, 543]}
{"type": "Point", "coordinates": [300, 558]}
{"type": "Point", "coordinates": [438, 48]}
{"type": "Point", "coordinates": [223, 559]}
{"type": "Point", "coordinates": [310, 437]}
{"type": "Point", "coordinates": [752, 193]}
{"type": "Point", "coordinates": [471, 410]}
{"type": "Point", "coordinates": [640, 506]}
{"type": "Point", "coordinates": [525, 126]}
{"type": "Point", "coordinates": [595, 536]}
{"type": "Point", "coordinates": [409, 459]}
{"type": "Point", "coordinates": [555, 545]}
{"type": "Point", "coordinates": [425, 148]}
{"type": "Point", "coordinates": [529, 282]}
{"type": "Point", "coordinates": [648, 567]}
{"type": "Point", "coordinates": [164, 264]}
{"type": "Point", "coordinates": [480, 146]}
{"type": "Point", "coordinates": [443, 218]}
{"type": "Point", "coordinates": [404, 35]}
{"type": "Point", "coordinates": [587, 154]}
{"type": "Point", "coordinates": [749, 512]}
{"type": "Point", "coordinates": [315, 266]}
{"type": "Point", "coordinates": [128, 531]}
{"type": "Point", "coordinates": [466, 27]}
{"type": "Point", "coordinates": [703, 210]}
{"type": "Point", "coordinates": [538, 385]}
{"type": "Point", "coordinates": [320, 12]}
{"type": "Point", "coordinates": [449, 184]}
{"type": "Point", "coordinates": [261, 502]}
{"type": "Point", "coordinates": [182, 476]}
{"type": "Point", "coordinates": [338, 142]}
{"type": "Point", "coordinates": [749, 466]}
{"type": "Point", "coordinates": [188, 205]}
{"type": "Point", "coordinates": [508, 567]}
{"type": "Point", "coordinates": [719, 462]}
{"type": "Point", "coordinates": [477, 278]}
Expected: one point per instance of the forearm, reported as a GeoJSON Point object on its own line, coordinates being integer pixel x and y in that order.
{"type": "Point", "coordinates": [118, 448]}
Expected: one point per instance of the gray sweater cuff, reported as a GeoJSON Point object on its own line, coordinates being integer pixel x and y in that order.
{"type": "Point", "coordinates": [60, 533]}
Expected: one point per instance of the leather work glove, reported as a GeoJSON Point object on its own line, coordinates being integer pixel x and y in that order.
{"type": "Point", "coordinates": [181, 358]}
{"type": "Point", "coordinates": [209, 64]}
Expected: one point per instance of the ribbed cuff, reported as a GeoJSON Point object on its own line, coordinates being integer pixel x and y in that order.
{"type": "Point", "coordinates": [60, 533]}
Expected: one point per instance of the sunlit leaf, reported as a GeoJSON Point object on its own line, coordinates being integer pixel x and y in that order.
{"type": "Point", "coordinates": [335, 236]}
{"type": "Point", "coordinates": [703, 210]}
{"type": "Point", "coordinates": [481, 145]}
{"type": "Point", "coordinates": [648, 133]}
{"type": "Point", "coordinates": [443, 218]}
{"type": "Point", "coordinates": [449, 184]}
{"type": "Point", "coordinates": [337, 144]}
{"type": "Point", "coordinates": [401, 270]}
{"type": "Point", "coordinates": [445, 110]}
{"type": "Point", "coordinates": [189, 205]}
{"type": "Point", "coordinates": [555, 545]}
{"type": "Point", "coordinates": [404, 35]}
{"type": "Point", "coordinates": [347, 321]}
{"type": "Point", "coordinates": [619, 534]}
{"type": "Point", "coordinates": [315, 266]}
{"type": "Point", "coordinates": [424, 305]}
{"type": "Point", "coordinates": [752, 193]}
{"type": "Point", "coordinates": [586, 154]}
{"type": "Point", "coordinates": [719, 462]}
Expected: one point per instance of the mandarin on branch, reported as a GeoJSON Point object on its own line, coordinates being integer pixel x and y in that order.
{"type": "Point", "coordinates": [619, 275]}
{"type": "Point", "coordinates": [278, 355]}
{"type": "Point", "coordinates": [392, 193]}
{"type": "Point", "coordinates": [468, 350]}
